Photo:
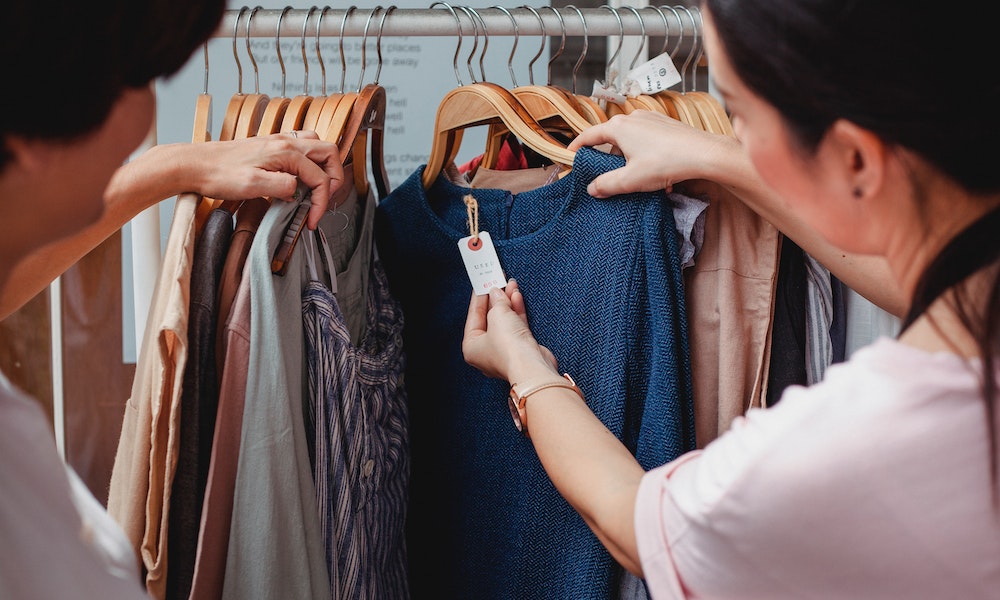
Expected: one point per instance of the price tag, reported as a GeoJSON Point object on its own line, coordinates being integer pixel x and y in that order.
{"type": "Point", "coordinates": [655, 75]}
{"type": "Point", "coordinates": [482, 263]}
{"type": "Point", "coordinates": [607, 92]}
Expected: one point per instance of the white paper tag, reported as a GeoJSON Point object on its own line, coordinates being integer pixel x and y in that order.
{"type": "Point", "coordinates": [482, 263]}
{"type": "Point", "coordinates": [655, 75]}
{"type": "Point", "coordinates": [609, 93]}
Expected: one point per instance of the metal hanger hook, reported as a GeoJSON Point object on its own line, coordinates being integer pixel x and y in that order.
{"type": "Point", "coordinates": [253, 61]}
{"type": "Point", "coordinates": [541, 47]}
{"type": "Point", "coordinates": [642, 36]}
{"type": "Point", "coordinates": [486, 40]}
{"type": "Point", "coordinates": [621, 41]}
{"type": "Point", "coordinates": [277, 47]}
{"type": "Point", "coordinates": [206, 67]}
{"type": "Point", "coordinates": [364, 46]}
{"type": "Point", "coordinates": [562, 42]}
{"type": "Point", "coordinates": [305, 59]}
{"type": "Point", "coordinates": [378, 41]}
{"type": "Point", "coordinates": [319, 55]}
{"type": "Point", "coordinates": [510, 59]}
{"type": "Point", "coordinates": [236, 55]}
{"type": "Point", "coordinates": [690, 56]}
{"type": "Point", "coordinates": [343, 59]}
{"type": "Point", "coordinates": [458, 22]}
{"type": "Point", "coordinates": [666, 28]}
{"type": "Point", "coordinates": [700, 39]}
{"type": "Point", "coordinates": [583, 53]}
{"type": "Point", "coordinates": [475, 42]}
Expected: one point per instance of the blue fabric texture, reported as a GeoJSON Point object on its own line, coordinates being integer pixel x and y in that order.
{"type": "Point", "coordinates": [603, 290]}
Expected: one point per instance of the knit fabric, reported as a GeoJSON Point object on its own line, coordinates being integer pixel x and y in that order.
{"type": "Point", "coordinates": [603, 291]}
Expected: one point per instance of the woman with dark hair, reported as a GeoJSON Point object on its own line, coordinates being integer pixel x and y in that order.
{"type": "Point", "coordinates": [882, 480]}
{"type": "Point", "coordinates": [86, 71]}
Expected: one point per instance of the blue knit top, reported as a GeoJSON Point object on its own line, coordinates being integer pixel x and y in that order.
{"type": "Point", "coordinates": [602, 286]}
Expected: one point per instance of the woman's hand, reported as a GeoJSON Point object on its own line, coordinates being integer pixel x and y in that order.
{"type": "Point", "coordinates": [659, 152]}
{"type": "Point", "coordinates": [498, 341]}
{"type": "Point", "coordinates": [264, 166]}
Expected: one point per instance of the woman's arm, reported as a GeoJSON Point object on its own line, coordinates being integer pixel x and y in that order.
{"type": "Point", "coordinates": [236, 170]}
{"type": "Point", "coordinates": [662, 152]}
{"type": "Point", "coordinates": [589, 466]}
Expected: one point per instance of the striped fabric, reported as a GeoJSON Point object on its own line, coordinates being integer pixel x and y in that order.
{"type": "Point", "coordinates": [819, 320]}
{"type": "Point", "coordinates": [358, 405]}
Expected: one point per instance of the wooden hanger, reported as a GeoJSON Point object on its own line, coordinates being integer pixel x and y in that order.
{"type": "Point", "coordinates": [203, 111]}
{"type": "Point", "coordinates": [274, 112]}
{"type": "Point", "coordinates": [255, 104]}
{"type": "Point", "coordinates": [551, 106]}
{"type": "Point", "coordinates": [298, 106]}
{"type": "Point", "coordinates": [232, 114]}
{"type": "Point", "coordinates": [482, 104]}
{"type": "Point", "coordinates": [352, 147]}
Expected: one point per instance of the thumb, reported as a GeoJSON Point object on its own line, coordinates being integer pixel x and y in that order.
{"type": "Point", "coordinates": [608, 184]}
{"type": "Point", "coordinates": [499, 298]}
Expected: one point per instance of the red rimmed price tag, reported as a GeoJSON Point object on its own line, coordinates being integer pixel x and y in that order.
{"type": "Point", "coordinates": [482, 263]}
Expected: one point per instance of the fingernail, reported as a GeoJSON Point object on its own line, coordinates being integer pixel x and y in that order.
{"type": "Point", "coordinates": [496, 293]}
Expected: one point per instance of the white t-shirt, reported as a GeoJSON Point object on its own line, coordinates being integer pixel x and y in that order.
{"type": "Point", "coordinates": [55, 539]}
{"type": "Point", "coordinates": [874, 483]}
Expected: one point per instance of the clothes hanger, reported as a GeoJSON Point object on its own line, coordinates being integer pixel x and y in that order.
{"type": "Point", "coordinates": [312, 118]}
{"type": "Point", "coordinates": [232, 114]}
{"type": "Point", "coordinates": [253, 107]}
{"type": "Point", "coordinates": [367, 117]}
{"type": "Point", "coordinates": [642, 101]}
{"type": "Point", "coordinates": [274, 111]}
{"type": "Point", "coordinates": [333, 129]}
{"type": "Point", "coordinates": [686, 113]}
{"type": "Point", "coordinates": [203, 110]}
{"type": "Point", "coordinates": [626, 105]}
{"type": "Point", "coordinates": [705, 112]}
{"type": "Point", "coordinates": [338, 106]}
{"type": "Point", "coordinates": [548, 116]}
{"type": "Point", "coordinates": [298, 106]}
{"type": "Point", "coordinates": [372, 96]}
{"type": "Point", "coordinates": [713, 107]}
{"type": "Point", "coordinates": [366, 114]}
{"type": "Point", "coordinates": [588, 107]}
{"type": "Point", "coordinates": [482, 104]}
{"type": "Point", "coordinates": [667, 105]}
{"type": "Point", "coordinates": [202, 132]}
{"type": "Point", "coordinates": [594, 110]}
{"type": "Point", "coordinates": [547, 104]}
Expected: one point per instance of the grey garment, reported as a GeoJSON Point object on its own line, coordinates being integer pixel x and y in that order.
{"type": "Point", "coordinates": [275, 543]}
{"type": "Point", "coordinates": [347, 229]}
{"type": "Point", "coordinates": [689, 220]}
{"type": "Point", "coordinates": [866, 322]}
{"type": "Point", "coordinates": [819, 320]}
{"type": "Point", "coordinates": [632, 588]}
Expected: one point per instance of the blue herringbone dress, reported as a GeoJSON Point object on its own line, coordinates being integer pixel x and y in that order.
{"type": "Point", "coordinates": [603, 290]}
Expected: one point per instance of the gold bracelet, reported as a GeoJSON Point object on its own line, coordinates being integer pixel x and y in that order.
{"type": "Point", "coordinates": [516, 399]}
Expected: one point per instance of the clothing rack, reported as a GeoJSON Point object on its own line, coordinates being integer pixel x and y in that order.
{"type": "Point", "coordinates": [520, 21]}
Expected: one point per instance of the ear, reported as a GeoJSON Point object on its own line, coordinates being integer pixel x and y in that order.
{"type": "Point", "coordinates": [858, 159]}
{"type": "Point", "coordinates": [29, 155]}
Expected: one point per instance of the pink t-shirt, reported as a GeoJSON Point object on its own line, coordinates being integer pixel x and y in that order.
{"type": "Point", "coordinates": [874, 483]}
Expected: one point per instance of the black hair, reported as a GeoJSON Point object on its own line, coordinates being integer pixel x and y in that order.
{"type": "Point", "coordinates": [915, 73]}
{"type": "Point", "coordinates": [67, 62]}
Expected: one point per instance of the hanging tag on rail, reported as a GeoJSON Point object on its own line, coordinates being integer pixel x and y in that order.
{"type": "Point", "coordinates": [655, 75]}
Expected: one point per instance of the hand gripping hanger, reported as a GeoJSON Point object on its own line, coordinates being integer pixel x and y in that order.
{"type": "Point", "coordinates": [366, 114]}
